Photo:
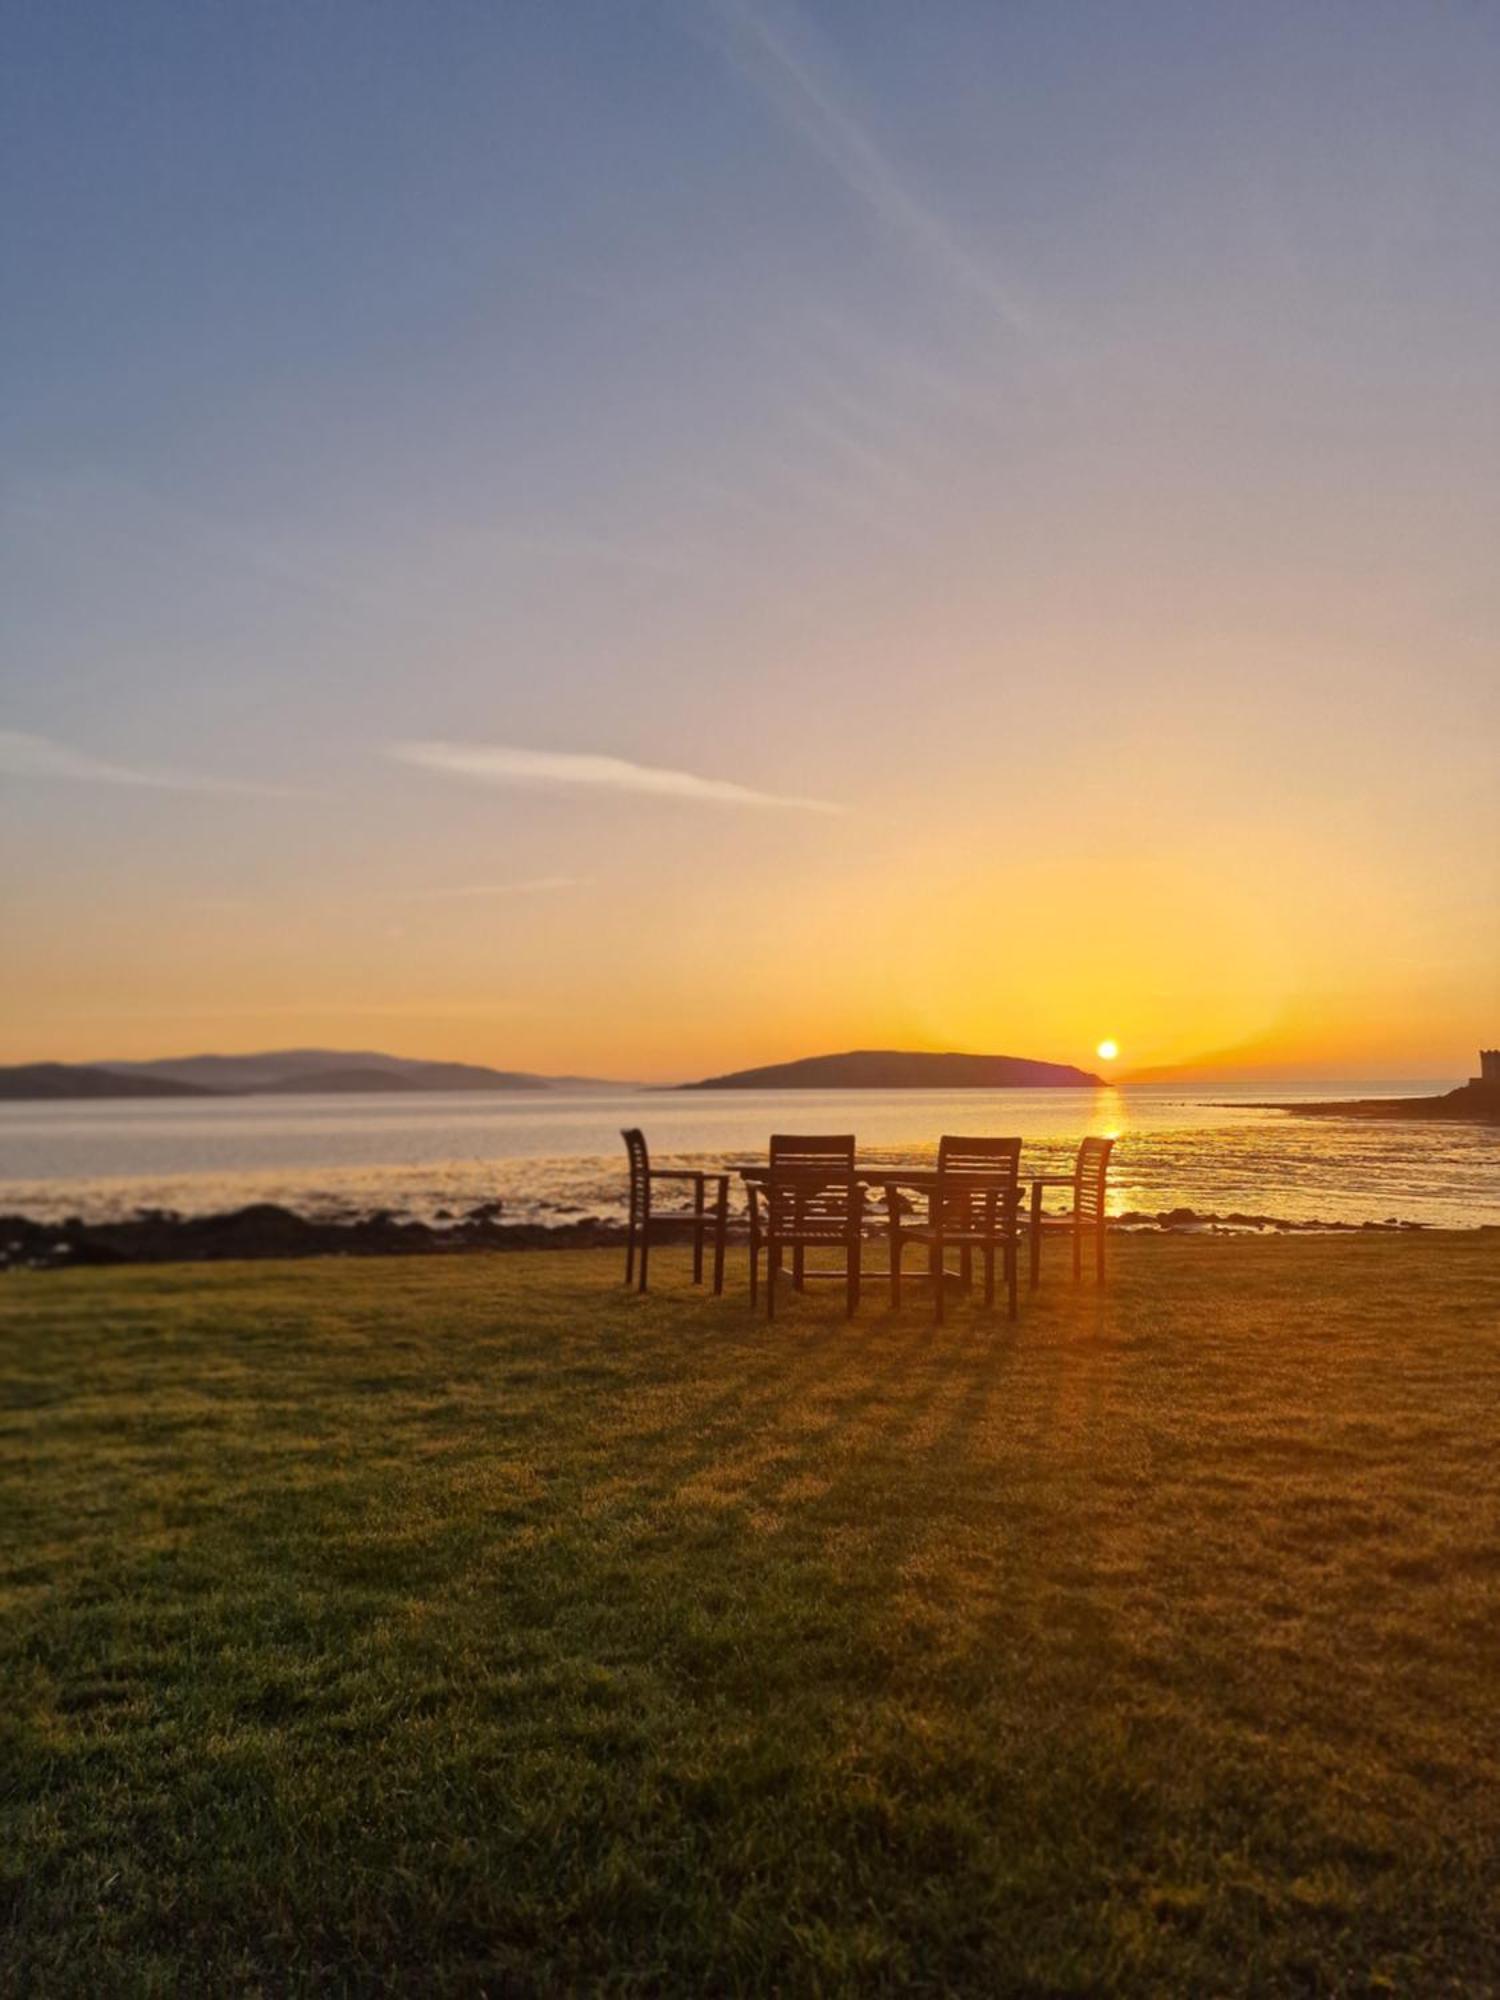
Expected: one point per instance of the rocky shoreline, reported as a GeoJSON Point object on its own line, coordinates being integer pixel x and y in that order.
{"type": "Point", "coordinates": [1474, 1103]}
{"type": "Point", "coordinates": [266, 1230]}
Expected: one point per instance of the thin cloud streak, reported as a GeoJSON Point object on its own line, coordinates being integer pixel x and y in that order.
{"type": "Point", "coordinates": [538, 885]}
{"type": "Point", "coordinates": [559, 770]}
{"type": "Point", "coordinates": [792, 82]}
{"type": "Point", "coordinates": [438, 1010]}
{"type": "Point", "coordinates": [23, 755]}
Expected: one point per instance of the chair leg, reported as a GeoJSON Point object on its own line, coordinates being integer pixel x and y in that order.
{"type": "Point", "coordinates": [1077, 1249]}
{"type": "Point", "coordinates": [989, 1275]}
{"type": "Point", "coordinates": [799, 1269]}
{"type": "Point", "coordinates": [698, 1232]}
{"type": "Point", "coordinates": [1035, 1246]}
{"type": "Point", "coordinates": [855, 1272]}
{"type": "Point", "coordinates": [630, 1251]}
{"type": "Point", "coordinates": [754, 1271]}
{"type": "Point", "coordinates": [1013, 1277]}
{"type": "Point", "coordinates": [721, 1225]}
{"type": "Point", "coordinates": [897, 1246]}
{"type": "Point", "coordinates": [645, 1245]}
{"type": "Point", "coordinates": [966, 1268]}
{"type": "Point", "coordinates": [938, 1261]}
{"type": "Point", "coordinates": [1099, 1250]}
{"type": "Point", "coordinates": [773, 1268]}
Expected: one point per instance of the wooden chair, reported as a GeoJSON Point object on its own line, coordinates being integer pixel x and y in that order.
{"type": "Point", "coordinates": [643, 1177]}
{"type": "Point", "coordinates": [974, 1205]}
{"type": "Point", "coordinates": [810, 1200]}
{"type": "Point", "coordinates": [1087, 1183]}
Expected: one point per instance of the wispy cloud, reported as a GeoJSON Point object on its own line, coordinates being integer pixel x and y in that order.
{"type": "Point", "coordinates": [413, 1010]}
{"type": "Point", "coordinates": [776, 56]}
{"type": "Point", "coordinates": [23, 755]}
{"type": "Point", "coordinates": [554, 770]}
{"type": "Point", "coordinates": [538, 885]}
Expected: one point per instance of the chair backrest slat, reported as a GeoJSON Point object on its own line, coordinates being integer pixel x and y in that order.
{"type": "Point", "coordinates": [811, 1189]}
{"type": "Point", "coordinates": [960, 1154]}
{"type": "Point", "coordinates": [1090, 1175]}
{"type": "Point", "coordinates": [640, 1170]}
{"type": "Point", "coordinates": [805, 1153]}
{"type": "Point", "coordinates": [977, 1178]}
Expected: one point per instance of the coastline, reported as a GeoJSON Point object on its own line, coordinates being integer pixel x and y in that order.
{"type": "Point", "coordinates": [1474, 1103]}
{"type": "Point", "coordinates": [265, 1230]}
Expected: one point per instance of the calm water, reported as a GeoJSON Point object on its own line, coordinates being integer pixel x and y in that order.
{"type": "Point", "coordinates": [553, 1158]}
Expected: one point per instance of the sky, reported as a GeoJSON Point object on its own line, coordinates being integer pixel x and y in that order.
{"type": "Point", "coordinates": [642, 538]}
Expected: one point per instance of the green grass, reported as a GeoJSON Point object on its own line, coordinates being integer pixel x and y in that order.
{"type": "Point", "coordinates": [473, 1627]}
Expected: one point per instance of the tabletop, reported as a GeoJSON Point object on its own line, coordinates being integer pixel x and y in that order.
{"type": "Point", "coordinates": [885, 1174]}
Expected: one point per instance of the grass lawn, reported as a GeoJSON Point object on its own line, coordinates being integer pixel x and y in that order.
{"type": "Point", "coordinates": [471, 1626]}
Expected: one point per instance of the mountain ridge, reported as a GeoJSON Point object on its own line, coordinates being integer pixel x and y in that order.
{"type": "Point", "coordinates": [71, 1082]}
{"type": "Point", "coordinates": [292, 1072]}
{"type": "Point", "coordinates": [275, 1069]}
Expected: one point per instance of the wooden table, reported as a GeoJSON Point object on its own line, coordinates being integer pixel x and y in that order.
{"type": "Point", "coordinates": [919, 1180]}
{"type": "Point", "coordinates": [892, 1180]}
{"type": "Point", "coordinates": [923, 1180]}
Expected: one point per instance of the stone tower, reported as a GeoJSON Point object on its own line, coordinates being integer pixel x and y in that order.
{"type": "Point", "coordinates": [1489, 1066]}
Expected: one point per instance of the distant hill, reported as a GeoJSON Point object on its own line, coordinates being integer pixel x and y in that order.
{"type": "Point", "coordinates": [301, 1072]}
{"type": "Point", "coordinates": [333, 1082]}
{"type": "Point", "coordinates": [296, 1069]}
{"type": "Point", "coordinates": [902, 1069]}
{"type": "Point", "coordinates": [76, 1080]}
{"type": "Point", "coordinates": [414, 1076]}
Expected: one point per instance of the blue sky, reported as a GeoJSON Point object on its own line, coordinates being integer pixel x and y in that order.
{"type": "Point", "coordinates": [943, 414]}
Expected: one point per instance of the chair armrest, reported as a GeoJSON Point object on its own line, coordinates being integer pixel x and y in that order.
{"type": "Point", "coordinates": [684, 1174]}
{"type": "Point", "coordinates": [901, 1202]}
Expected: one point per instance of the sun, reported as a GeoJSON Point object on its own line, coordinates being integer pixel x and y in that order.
{"type": "Point", "coordinates": [1107, 1051]}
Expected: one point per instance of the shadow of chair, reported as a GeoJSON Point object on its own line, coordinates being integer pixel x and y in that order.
{"type": "Point", "coordinates": [809, 1200]}
{"type": "Point", "coordinates": [973, 1205]}
{"type": "Point", "coordinates": [1087, 1182]}
{"type": "Point", "coordinates": [700, 1217]}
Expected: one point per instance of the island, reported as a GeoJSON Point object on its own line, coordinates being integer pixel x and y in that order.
{"type": "Point", "coordinates": [904, 1069]}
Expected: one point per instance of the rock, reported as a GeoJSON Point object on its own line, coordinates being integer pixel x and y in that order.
{"type": "Point", "coordinates": [259, 1215]}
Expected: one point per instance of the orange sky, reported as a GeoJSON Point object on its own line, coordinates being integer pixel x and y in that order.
{"type": "Point", "coordinates": [703, 938]}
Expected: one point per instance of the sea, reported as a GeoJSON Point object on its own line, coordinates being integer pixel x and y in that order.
{"type": "Point", "coordinates": [556, 1157]}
